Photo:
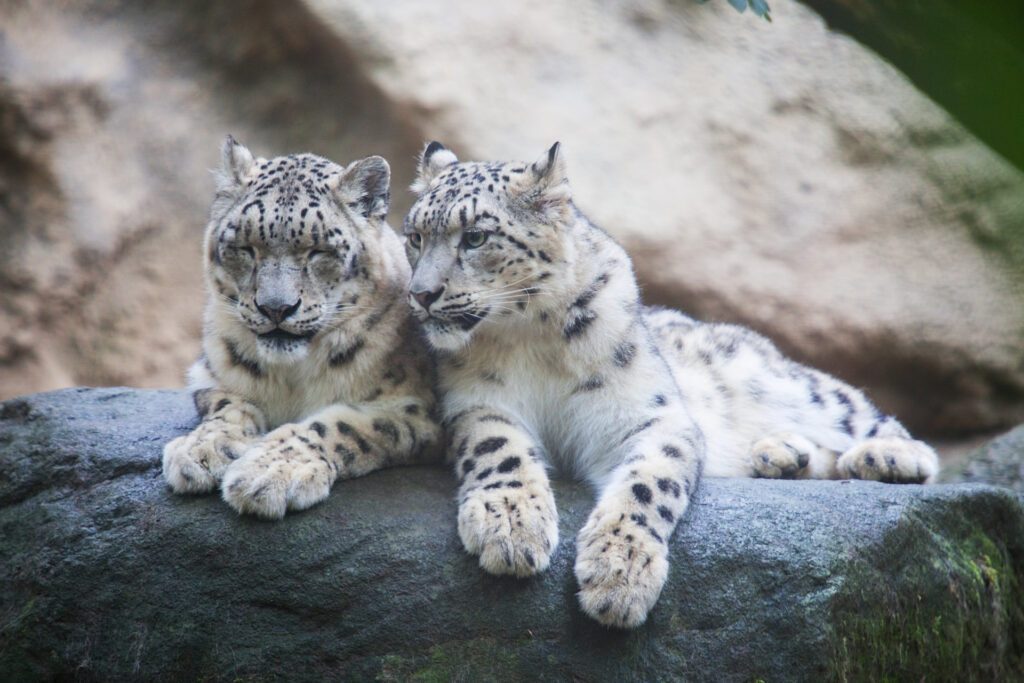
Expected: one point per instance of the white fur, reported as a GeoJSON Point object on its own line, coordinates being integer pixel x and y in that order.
{"type": "Point", "coordinates": [347, 393]}
{"type": "Point", "coordinates": [547, 358]}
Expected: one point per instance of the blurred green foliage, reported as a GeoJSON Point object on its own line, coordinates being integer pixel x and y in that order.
{"type": "Point", "coordinates": [967, 55]}
{"type": "Point", "coordinates": [758, 7]}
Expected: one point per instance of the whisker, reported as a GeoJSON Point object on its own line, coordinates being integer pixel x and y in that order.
{"type": "Point", "coordinates": [528, 291]}
{"type": "Point", "coordinates": [505, 302]}
{"type": "Point", "coordinates": [515, 301]}
{"type": "Point", "coordinates": [505, 286]}
{"type": "Point", "coordinates": [525, 290]}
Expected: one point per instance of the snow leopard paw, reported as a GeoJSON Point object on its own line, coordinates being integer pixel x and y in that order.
{"type": "Point", "coordinates": [621, 567]}
{"type": "Point", "coordinates": [781, 456]}
{"type": "Point", "coordinates": [513, 530]}
{"type": "Point", "coordinates": [890, 459]}
{"type": "Point", "coordinates": [282, 472]}
{"type": "Point", "coordinates": [195, 463]}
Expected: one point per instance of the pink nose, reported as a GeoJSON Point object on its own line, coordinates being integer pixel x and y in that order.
{"type": "Point", "coordinates": [426, 298]}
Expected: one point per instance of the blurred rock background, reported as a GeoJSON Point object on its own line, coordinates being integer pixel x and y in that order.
{"type": "Point", "coordinates": [781, 175]}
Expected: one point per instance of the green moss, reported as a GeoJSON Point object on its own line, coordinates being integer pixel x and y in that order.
{"type": "Point", "coordinates": [480, 659]}
{"type": "Point", "coordinates": [943, 604]}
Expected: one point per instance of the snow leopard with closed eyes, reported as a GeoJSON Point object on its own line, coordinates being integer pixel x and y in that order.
{"type": "Point", "coordinates": [547, 356]}
{"type": "Point", "coordinates": [311, 368]}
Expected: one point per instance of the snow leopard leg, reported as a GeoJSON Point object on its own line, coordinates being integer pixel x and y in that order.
{"type": "Point", "coordinates": [507, 512]}
{"type": "Point", "coordinates": [294, 466]}
{"type": "Point", "coordinates": [622, 551]}
{"type": "Point", "coordinates": [874, 446]}
{"type": "Point", "coordinates": [195, 463]}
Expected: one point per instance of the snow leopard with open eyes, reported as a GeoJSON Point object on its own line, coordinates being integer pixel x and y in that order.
{"type": "Point", "coordinates": [306, 335]}
{"type": "Point", "coordinates": [547, 357]}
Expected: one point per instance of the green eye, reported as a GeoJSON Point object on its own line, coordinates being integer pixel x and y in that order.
{"type": "Point", "coordinates": [471, 239]}
{"type": "Point", "coordinates": [416, 240]}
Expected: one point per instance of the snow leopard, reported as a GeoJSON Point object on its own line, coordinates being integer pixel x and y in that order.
{"type": "Point", "coordinates": [310, 370]}
{"type": "Point", "coordinates": [547, 358]}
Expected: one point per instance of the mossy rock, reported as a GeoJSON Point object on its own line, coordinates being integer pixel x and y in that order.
{"type": "Point", "coordinates": [107, 576]}
{"type": "Point", "coordinates": [943, 596]}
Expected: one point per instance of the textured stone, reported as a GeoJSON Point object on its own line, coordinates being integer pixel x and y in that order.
{"type": "Point", "coordinates": [999, 462]}
{"type": "Point", "coordinates": [108, 576]}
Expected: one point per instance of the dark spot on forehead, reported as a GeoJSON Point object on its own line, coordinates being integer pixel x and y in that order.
{"type": "Point", "coordinates": [453, 201]}
{"type": "Point", "coordinates": [295, 176]}
{"type": "Point", "coordinates": [288, 201]}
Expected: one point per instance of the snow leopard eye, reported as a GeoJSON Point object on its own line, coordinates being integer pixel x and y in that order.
{"type": "Point", "coordinates": [416, 240]}
{"type": "Point", "coordinates": [471, 239]}
{"type": "Point", "coordinates": [243, 252]}
{"type": "Point", "coordinates": [237, 258]}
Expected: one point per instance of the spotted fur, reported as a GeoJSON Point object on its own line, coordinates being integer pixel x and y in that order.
{"type": "Point", "coordinates": [310, 372]}
{"type": "Point", "coordinates": [547, 357]}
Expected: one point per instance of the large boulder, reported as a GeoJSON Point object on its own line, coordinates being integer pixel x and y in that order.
{"type": "Point", "coordinates": [999, 462]}
{"type": "Point", "coordinates": [108, 576]}
{"type": "Point", "coordinates": [778, 175]}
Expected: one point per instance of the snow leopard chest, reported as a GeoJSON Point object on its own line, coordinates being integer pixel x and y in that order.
{"type": "Point", "coordinates": [575, 425]}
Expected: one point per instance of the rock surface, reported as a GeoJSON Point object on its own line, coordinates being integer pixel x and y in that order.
{"type": "Point", "coordinates": [777, 174]}
{"type": "Point", "coordinates": [999, 462]}
{"type": "Point", "coordinates": [108, 576]}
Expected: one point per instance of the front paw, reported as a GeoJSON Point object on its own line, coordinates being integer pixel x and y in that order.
{"type": "Point", "coordinates": [621, 568]}
{"type": "Point", "coordinates": [195, 463]}
{"type": "Point", "coordinates": [781, 456]}
{"type": "Point", "coordinates": [513, 530]}
{"type": "Point", "coordinates": [890, 459]}
{"type": "Point", "coordinates": [280, 473]}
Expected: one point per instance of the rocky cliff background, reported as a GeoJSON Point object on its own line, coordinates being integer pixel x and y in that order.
{"type": "Point", "coordinates": [781, 174]}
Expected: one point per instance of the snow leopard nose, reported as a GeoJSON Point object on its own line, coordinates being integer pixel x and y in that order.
{"type": "Point", "coordinates": [278, 313]}
{"type": "Point", "coordinates": [426, 297]}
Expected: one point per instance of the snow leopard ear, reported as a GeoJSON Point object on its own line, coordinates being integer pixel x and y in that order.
{"type": "Point", "coordinates": [434, 159]}
{"type": "Point", "coordinates": [547, 184]}
{"type": "Point", "coordinates": [364, 187]}
{"type": "Point", "coordinates": [237, 166]}
{"type": "Point", "coordinates": [549, 170]}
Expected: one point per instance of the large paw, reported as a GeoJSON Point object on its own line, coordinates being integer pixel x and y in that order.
{"type": "Point", "coordinates": [513, 530]}
{"type": "Point", "coordinates": [621, 568]}
{"type": "Point", "coordinates": [195, 463]}
{"type": "Point", "coordinates": [280, 473]}
{"type": "Point", "coordinates": [781, 456]}
{"type": "Point", "coordinates": [891, 459]}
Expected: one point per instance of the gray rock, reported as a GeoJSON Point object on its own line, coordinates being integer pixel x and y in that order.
{"type": "Point", "coordinates": [999, 462]}
{"type": "Point", "coordinates": [108, 576]}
